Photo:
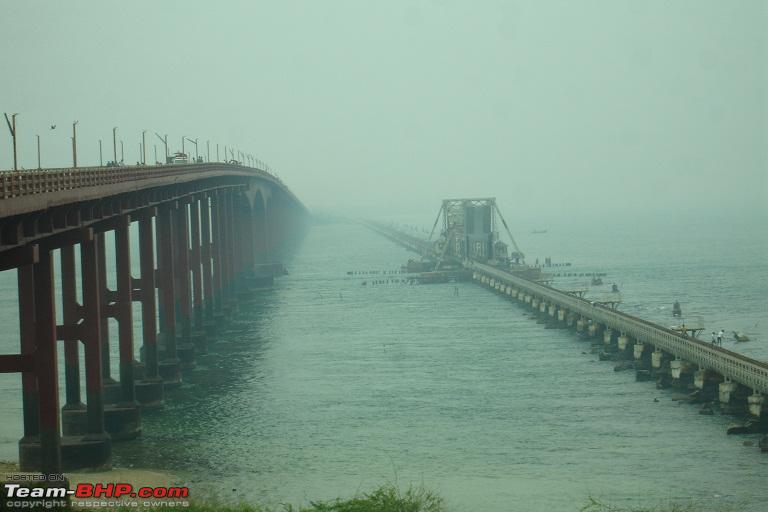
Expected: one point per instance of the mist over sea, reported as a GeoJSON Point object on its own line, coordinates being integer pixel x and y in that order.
{"type": "Point", "coordinates": [323, 386]}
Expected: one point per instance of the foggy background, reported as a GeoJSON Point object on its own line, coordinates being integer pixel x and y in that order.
{"type": "Point", "coordinates": [587, 110]}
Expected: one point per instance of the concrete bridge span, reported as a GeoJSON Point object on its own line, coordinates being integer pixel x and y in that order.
{"type": "Point", "coordinates": [719, 365]}
{"type": "Point", "coordinates": [206, 233]}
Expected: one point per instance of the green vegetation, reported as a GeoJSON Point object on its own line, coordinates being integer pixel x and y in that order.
{"type": "Point", "coordinates": [387, 498]}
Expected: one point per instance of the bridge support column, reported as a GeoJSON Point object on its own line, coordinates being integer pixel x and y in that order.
{"type": "Point", "coordinates": [726, 390]}
{"type": "Point", "coordinates": [111, 386]}
{"type": "Point", "coordinates": [86, 445]}
{"type": "Point", "coordinates": [755, 404]}
{"type": "Point", "coordinates": [195, 261]}
{"type": "Point", "coordinates": [71, 316]}
{"type": "Point", "coordinates": [185, 350]}
{"type": "Point", "coordinates": [149, 390]}
{"type": "Point", "coordinates": [123, 420]}
{"type": "Point", "coordinates": [47, 365]}
{"type": "Point", "coordinates": [230, 249]}
{"type": "Point", "coordinates": [205, 222]}
{"type": "Point", "coordinates": [217, 212]}
{"type": "Point", "coordinates": [169, 364]}
{"type": "Point", "coordinates": [593, 329]}
{"type": "Point", "coordinates": [581, 324]}
{"type": "Point", "coordinates": [28, 459]}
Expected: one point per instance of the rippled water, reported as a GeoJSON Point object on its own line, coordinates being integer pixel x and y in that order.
{"type": "Point", "coordinates": [322, 387]}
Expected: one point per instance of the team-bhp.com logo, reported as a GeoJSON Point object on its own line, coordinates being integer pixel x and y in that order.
{"type": "Point", "coordinates": [19, 497]}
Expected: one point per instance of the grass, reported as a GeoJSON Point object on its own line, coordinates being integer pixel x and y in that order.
{"type": "Point", "coordinates": [387, 498]}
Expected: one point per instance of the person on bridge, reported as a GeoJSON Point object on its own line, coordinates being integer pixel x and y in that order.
{"type": "Point", "coordinates": [714, 338]}
{"type": "Point", "coordinates": [720, 337]}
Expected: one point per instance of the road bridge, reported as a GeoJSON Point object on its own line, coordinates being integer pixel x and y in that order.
{"type": "Point", "coordinates": [207, 232]}
{"type": "Point", "coordinates": [737, 382]}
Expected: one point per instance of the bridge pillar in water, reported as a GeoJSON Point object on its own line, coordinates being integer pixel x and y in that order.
{"type": "Point", "coordinates": [123, 420]}
{"type": "Point", "coordinates": [149, 390]}
{"type": "Point", "coordinates": [638, 349]}
{"type": "Point", "coordinates": [681, 372]}
{"type": "Point", "coordinates": [110, 385]}
{"type": "Point", "coordinates": [185, 350]}
{"type": "Point", "coordinates": [552, 310]}
{"type": "Point", "coordinates": [195, 263]}
{"type": "Point", "coordinates": [755, 403]}
{"type": "Point", "coordinates": [169, 362]}
{"type": "Point", "coordinates": [726, 390]}
{"type": "Point", "coordinates": [581, 324]}
{"type": "Point", "coordinates": [206, 256]}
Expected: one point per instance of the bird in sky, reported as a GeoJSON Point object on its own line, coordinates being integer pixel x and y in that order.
{"type": "Point", "coordinates": [53, 127]}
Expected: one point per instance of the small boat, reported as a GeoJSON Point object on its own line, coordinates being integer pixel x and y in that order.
{"type": "Point", "coordinates": [740, 336]}
{"type": "Point", "coordinates": [676, 311]}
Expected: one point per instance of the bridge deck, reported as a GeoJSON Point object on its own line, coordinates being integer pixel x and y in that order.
{"type": "Point", "coordinates": [742, 369]}
{"type": "Point", "coordinates": [35, 190]}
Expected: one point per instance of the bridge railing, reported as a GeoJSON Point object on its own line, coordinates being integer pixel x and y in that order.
{"type": "Point", "coordinates": [747, 371]}
{"type": "Point", "coordinates": [30, 182]}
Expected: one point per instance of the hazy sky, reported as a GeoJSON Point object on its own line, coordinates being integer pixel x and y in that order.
{"type": "Point", "coordinates": [563, 108]}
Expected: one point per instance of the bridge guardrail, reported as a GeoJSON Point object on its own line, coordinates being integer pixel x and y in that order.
{"type": "Point", "coordinates": [747, 371]}
{"type": "Point", "coordinates": [41, 181]}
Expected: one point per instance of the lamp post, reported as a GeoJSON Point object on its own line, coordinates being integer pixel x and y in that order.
{"type": "Point", "coordinates": [114, 143]}
{"type": "Point", "coordinates": [12, 128]}
{"type": "Point", "coordinates": [208, 150]}
{"type": "Point", "coordinates": [122, 154]}
{"type": "Point", "coordinates": [101, 157]}
{"type": "Point", "coordinates": [38, 152]}
{"type": "Point", "coordinates": [74, 144]}
{"type": "Point", "coordinates": [164, 140]}
{"type": "Point", "coordinates": [155, 146]}
{"type": "Point", "coordinates": [195, 143]}
{"type": "Point", "coordinates": [144, 147]}
{"type": "Point", "coordinates": [217, 152]}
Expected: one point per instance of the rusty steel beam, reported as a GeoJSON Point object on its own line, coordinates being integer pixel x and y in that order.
{"type": "Point", "coordinates": [89, 261]}
{"type": "Point", "coordinates": [182, 271]}
{"type": "Point", "coordinates": [124, 308]}
{"type": "Point", "coordinates": [47, 364]}
{"type": "Point", "coordinates": [205, 221]}
{"type": "Point", "coordinates": [17, 363]}
{"type": "Point", "coordinates": [69, 331]}
{"type": "Point", "coordinates": [195, 263]}
{"type": "Point", "coordinates": [19, 257]}
{"type": "Point", "coordinates": [148, 303]}
{"type": "Point", "coordinates": [30, 393]}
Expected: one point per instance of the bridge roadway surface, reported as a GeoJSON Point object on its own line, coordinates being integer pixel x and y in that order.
{"type": "Point", "coordinates": [749, 372]}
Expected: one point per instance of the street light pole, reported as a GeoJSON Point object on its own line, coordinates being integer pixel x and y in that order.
{"type": "Point", "coordinates": [164, 140]}
{"type": "Point", "coordinates": [208, 150]}
{"type": "Point", "coordinates": [38, 152]}
{"type": "Point", "coordinates": [144, 147]}
{"type": "Point", "coordinates": [114, 143]}
{"type": "Point", "coordinates": [74, 144]}
{"type": "Point", "coordinates": [122, 154]}
{"type": "Point", "coordinates": [12, 129]}
{"type": "Point", "coordinates": [101, 158]}
{"type": "Point", "coordinates": [195, 143]}
{"type": "Point", "coordinates": [155, 146]}
{"type": "Point", "coordinates": [217, 152]}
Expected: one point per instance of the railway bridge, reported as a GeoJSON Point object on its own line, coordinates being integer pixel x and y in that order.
{"type": "Point", "coordinates": [737, 382]}
{"type": "Point", "coordinates": [207, 232]}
